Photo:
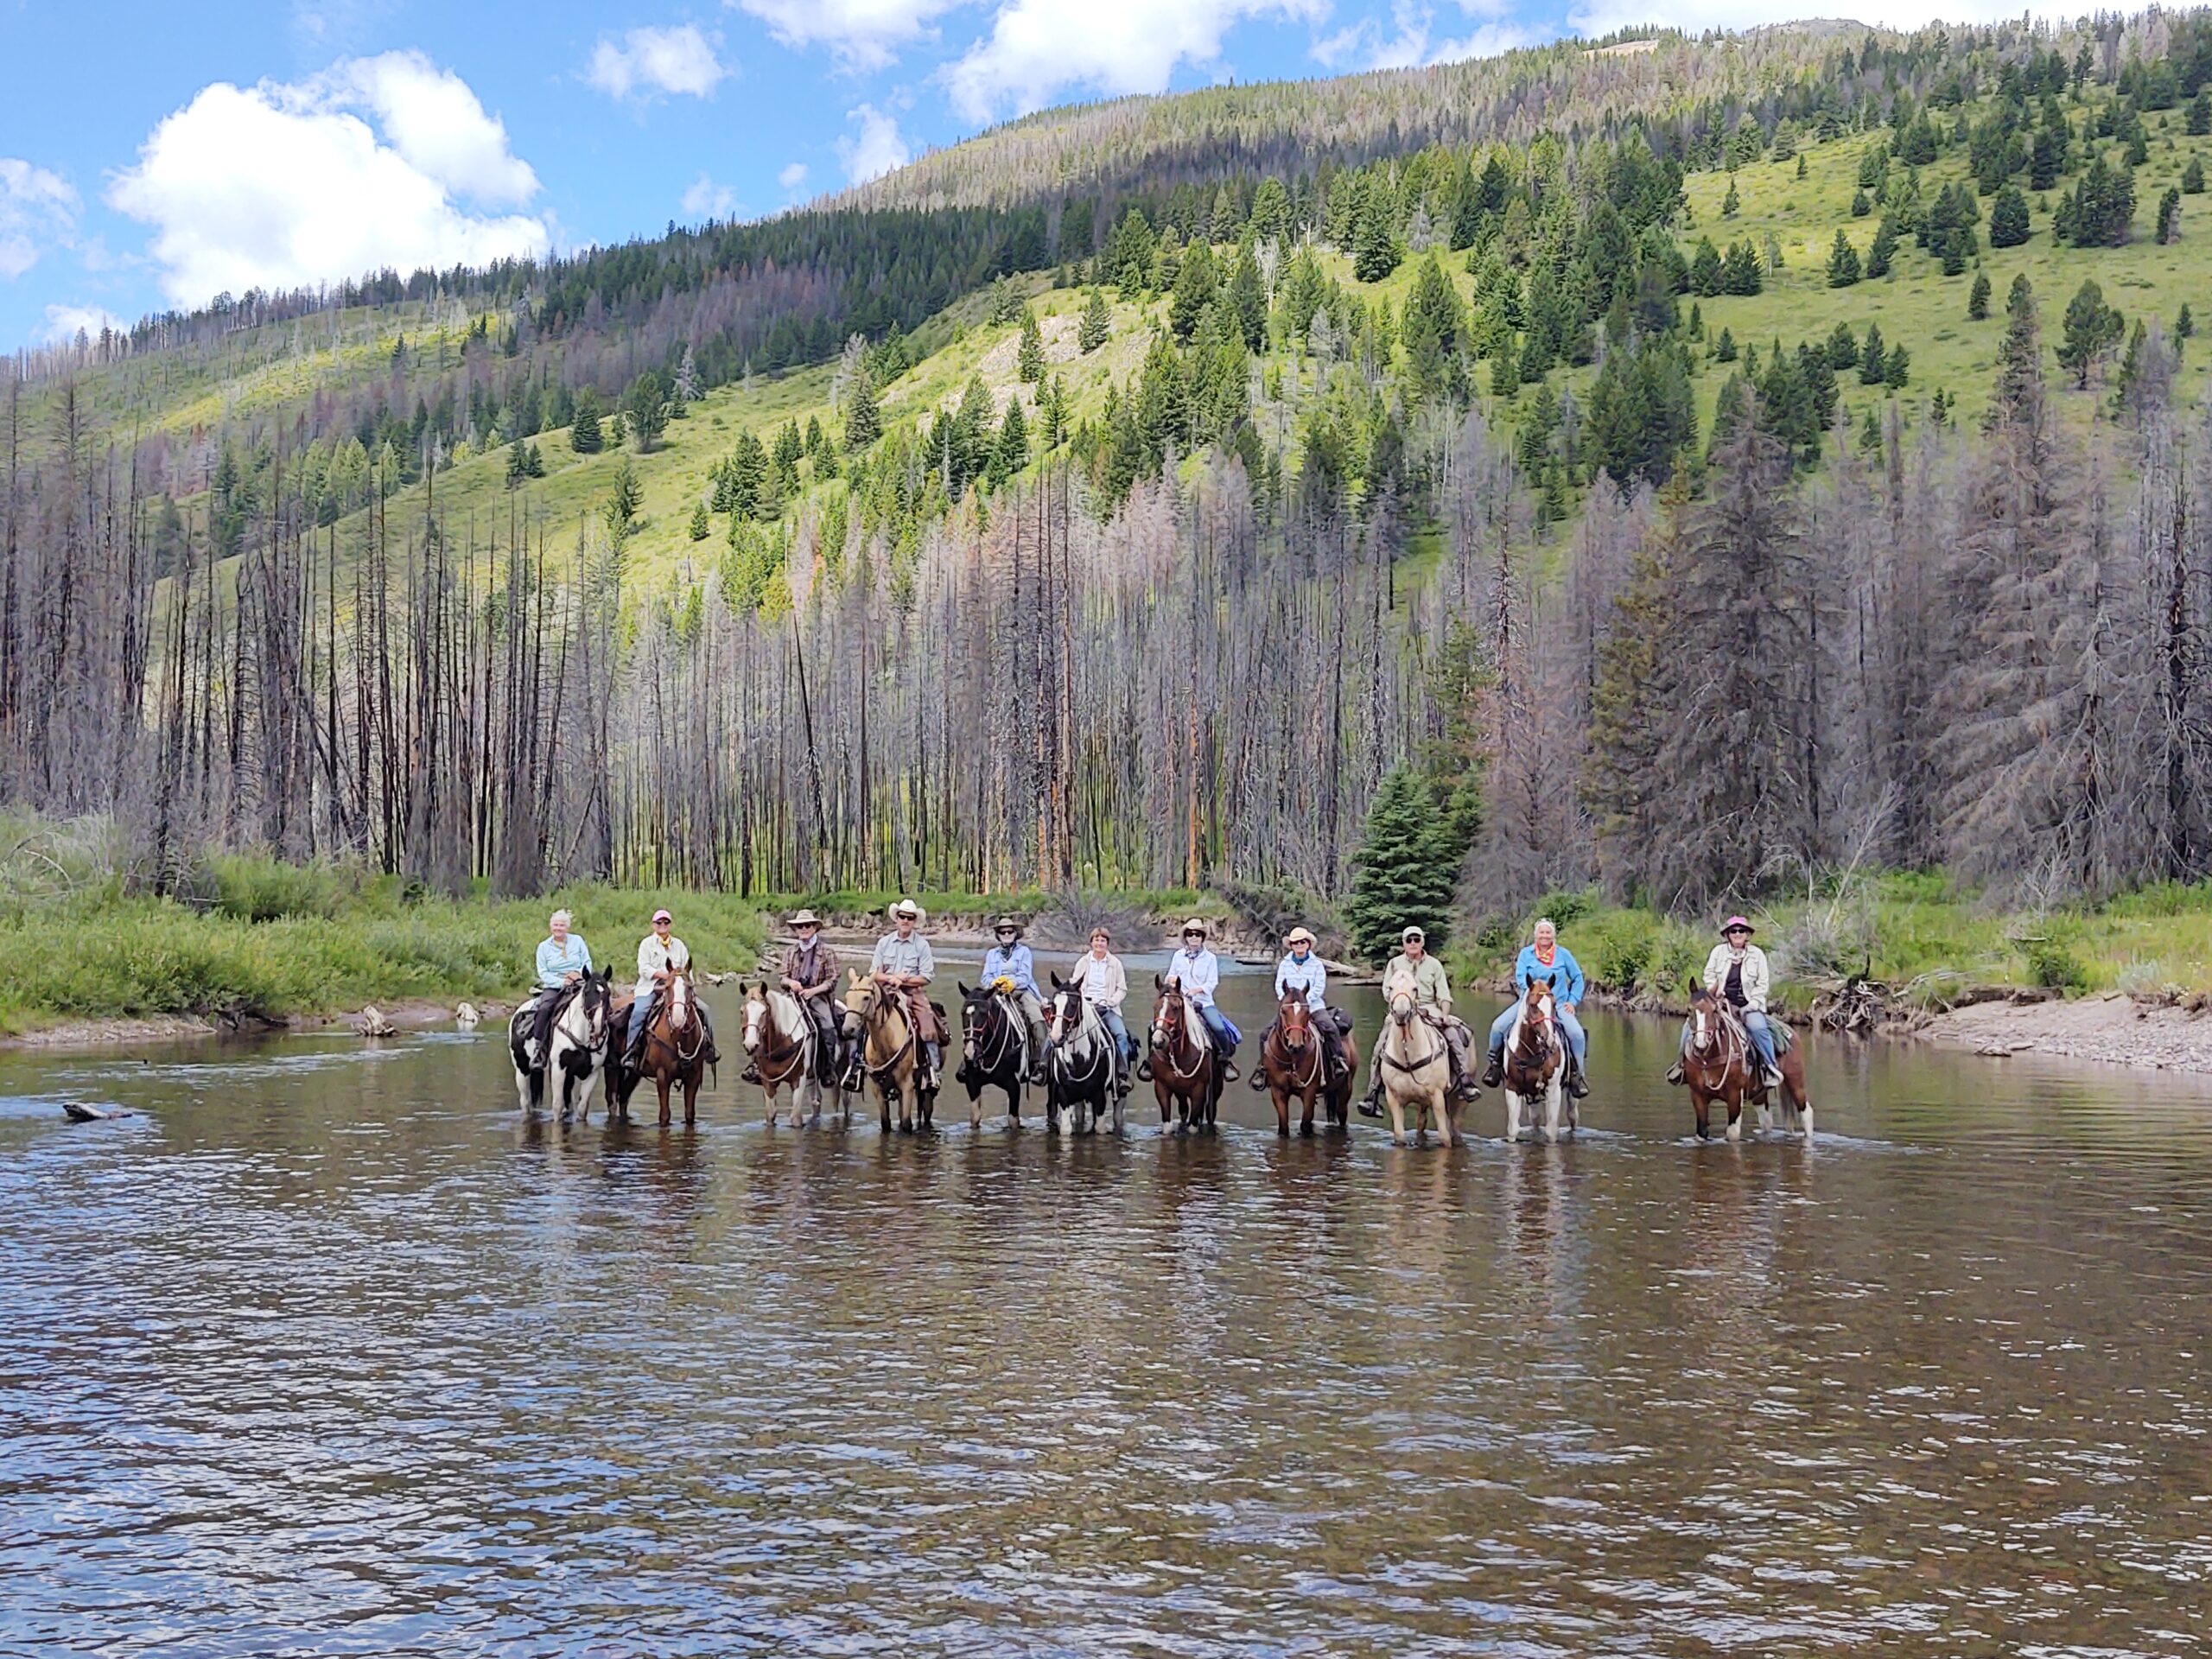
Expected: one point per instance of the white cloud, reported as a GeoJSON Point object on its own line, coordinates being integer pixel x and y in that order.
{"type": "Point", "coordinates": [1363, 44]}
{"type": "Point", "coordinates": [679, 62]}
{"type": "Point", "coordinates": [877, 148]}
{"type": "Point", "coordinates": [1038, 47]}
{"type": "Point", "coordinates": [864, 34]}
{"type": "Point", "coordinates": [1603, 16]}
{"type": "Point", "coordinates": [706, 200]}
{"type": "Point", "coordinates": [279, 186]}
{"type": "Point", "coordinates": [62, 322]}
{"type": "Point", "coordinates": [38, 209]}
{"type": "Point", "coordinates": [792, 175]}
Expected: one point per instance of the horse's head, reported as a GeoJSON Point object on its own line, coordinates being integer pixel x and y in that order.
{"type": "Point", "coordinates": [1064, 1013]}
{"type": "Point", "coordinates": [679, 999]}
{"type": "Point", "coordinates": [1297, 1020]}
{"type": "Point", "coordinates": [1705, 1021]}
{"type": "Point", "coordinates": [1399, 993]}
{"type": "Point", "coordinates": [1167, 1010]}
{"type": "Point", "coordinates": [1537, 1006]}
{"type": "Point", "coordinates": [861, 996]}
{"type": "Point", "coordinates": [756, 1015]}
{"type": "Point", "coordinates": [597, 997]}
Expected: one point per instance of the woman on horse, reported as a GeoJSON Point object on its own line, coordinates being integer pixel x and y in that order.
{"type": "Point", "coordinates": [1009, 960]}
{"type": "Point", "coordinates": [660, 954]}
{"type": "Point", "coordinates": [1737, 973]}
{"type": "Point", "coordinates": [1300, 973]}
{"type": "Point", "coordinates": [1199, 973]}
{"type": "Point", "coordinates": [1105, 985]}
{"type": "Point", "coordinates": [562, 959]}
{"type": "Point", "coordinates": [902, 963]}
{"type": "Point", "coordinates": [1433, 996]}
{"type": "Point", "coordinates": [1548, 961]}
{"type": "Point", "coordinates": [808, 972]}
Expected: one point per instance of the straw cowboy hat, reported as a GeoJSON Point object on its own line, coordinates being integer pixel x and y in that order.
{"type": "Point", "coordinates": [1299, 936]}
{"type": "Point", "coordinates": [1194, 926]}
{"type": "Point", "coordinates": [907, 907]}
{"type": "Point", "coordinates": [1007, 924]}
{"type": "Point", "coordinates": [803, 919]}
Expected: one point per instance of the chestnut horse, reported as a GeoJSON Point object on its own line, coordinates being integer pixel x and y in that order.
{"type": "Point", "coordinates": [1185, 1071]}
{"type": "Point", "coordinates": [1294, 1065]}
{"type": "Point", "coordinates": [1720, 1063]}
{"type": "Point", "coordinates": [1536, 1055]}
{"type": "Point", "coordinates": [675, 1044]}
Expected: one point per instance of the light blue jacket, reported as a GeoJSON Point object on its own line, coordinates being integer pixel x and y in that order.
{"type": "Point", "coordinates": [1200, 972]}
{"type": "Point", "coordinates": [1014, 962]}
{"type": "Point", "coordinates": [1564, 976]}
{"type": "Point", "coordinates": [555, 965]}
{"type": "Point", "coordinates": [1309, 978]}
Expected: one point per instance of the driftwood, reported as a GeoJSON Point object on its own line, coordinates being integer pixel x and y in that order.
{"type": "Point", "coordinates": [373, 1022]}
{"type": "Point", "coordinates": [78, 1111]}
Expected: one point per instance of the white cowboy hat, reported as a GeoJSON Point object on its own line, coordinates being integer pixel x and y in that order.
{"type": "Point", "coordinates": [907, 907]}
{"type": "Point", "coordinates": [1299, 936]}
{"type": "Point", "coordinates": [1413, 933]}
{"type": "Point", "coordinates": [804, 919]}
{"type": "Point", "coordinates": [1194, 926]}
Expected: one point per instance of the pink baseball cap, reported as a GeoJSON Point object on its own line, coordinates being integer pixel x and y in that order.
{"type": "Point", "coordinates": [663, 915]}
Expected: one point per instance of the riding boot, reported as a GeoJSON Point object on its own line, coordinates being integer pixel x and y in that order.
{"type": "Point", "coordinates": [1144, 1068]}
{"type": "Point", "coordinates": [1494, 1073]}
{"type": "Point", "coordinates": [1229, 1071]}
{"type": "Point", "coordinates": [1674, 1074]}
{"type": "Point", "coordinates": [1371, 1103]}
{"type": "Point", "coordinates": [1577, 1084]}
{"type": "Point", "coordinates": [751, 1073]}
{"type": "Point", "coordinates": [931, 1059]}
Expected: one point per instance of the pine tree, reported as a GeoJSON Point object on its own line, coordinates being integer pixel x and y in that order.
{"type": "Point", "coordinates": [2192, 177]}
{"type": "Point", "coordinates": [1730, 203]}
{"type": "Point", "coordinates": [1860, 206]}
{"type": "Point", "coordinates": [1724, 349]}
{"type": "Point", "coordinates": [645, 410]}
{"type": "Point", "coordinates": [1197, 280]}
{"type": "Point", "coordinates": [1884, 247]}
{"type": "Point", "coordinates": [2092, 329]}
{"type": "Point", "coordinates": [2169, 217]}
{"type": "Point", "coordinates": [535, 462]}
{"type": "Point", "coordinates": [1374, 252]}
{"type": "Point", "coordinates": [1978, 300]}
{"type": "Point", "coordinates": [1052, 413]}
{"type": "Point", "coordinates": [1010, 451]}
{"type": "Point", "coordinates": [1870, 364]}
{"type": "Point", "coordinates": [518, 465]}
{"type": "Point", "coordinates": [2184, 322]}
{"type": "Point", "coordinates": [1896, 367]}
{"type": "Point", "coordinates": [622, 504]}
{"type": "Point", "coordinates": [700, 526]}
{"type": "Point", "coordinates": [2200, 113]}
{"type": "Point", "coordinates": [1843, 263]}
{"type": "Point", "coordinates": [2008, 218]}
{"type": "Point", "coordinates": [585, 436]}
{"type": "Point", "coordinates": [863, 416]}
{"type": "Point", "coordinates": [1407, 868]}
{"type": "Point", "coordinates": [1096, 326]}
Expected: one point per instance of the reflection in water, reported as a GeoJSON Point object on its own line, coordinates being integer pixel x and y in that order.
{"type": "Point", "coordinates": [326, 1356]}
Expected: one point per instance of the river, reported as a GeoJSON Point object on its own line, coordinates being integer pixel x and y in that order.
{"type": "Point", "coordinates": [328, 1351]}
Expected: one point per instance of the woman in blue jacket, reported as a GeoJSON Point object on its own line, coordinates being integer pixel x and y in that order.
{"type": "Point", "coordinates": [1548, 961]}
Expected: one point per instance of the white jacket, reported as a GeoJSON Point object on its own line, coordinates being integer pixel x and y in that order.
{"type": "Point", "coordinates": [1755, 975]}
{"type": "Point", "coordinates": [653, 959]}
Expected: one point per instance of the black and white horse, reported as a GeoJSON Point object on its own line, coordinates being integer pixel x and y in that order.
{"type": "Point", "coordinates": [994, 1049]}
{"type": "Point", "coordinates": [1078, 1064]}
{"type": "Point", "coordinates": [576, 1048]}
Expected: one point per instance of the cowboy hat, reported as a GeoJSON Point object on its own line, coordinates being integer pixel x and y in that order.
{"type": "Point", "coordinates": [1299, 936]}
{"type": "Point", "coordinates": [1007, 924]}
{"type": "Point", "coordinates": [1735, 922]}
{"type": "Point", "coordinates": [1194, 926]}
{"type": "Point", "coordinates": [804, 919]}
{"type": "Point", "coordinates": [1413, 933]}
{"type": "Point", "coordinates": [662, 916]}
{"type": "Point", "coordinates": [906, 907]}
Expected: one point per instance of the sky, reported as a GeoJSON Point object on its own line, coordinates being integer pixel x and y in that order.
{"type": "Point", "coordinates": [154, 156]}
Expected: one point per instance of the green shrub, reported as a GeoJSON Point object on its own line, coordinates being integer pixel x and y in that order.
{"type": "Point", "coordinates": [1565, 908]}
{"type": "Point", "coordinates": [2054, 967]}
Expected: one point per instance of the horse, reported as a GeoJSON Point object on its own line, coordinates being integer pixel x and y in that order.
{"type": "Point", "coordinates": [993, 1050]}
{"type": "Point", "coordinates": [675, 1042]}
{"type": "Point", "coordinates": [1721, 1064]}
{"type": "Point", "coordinates": [1078, 1063]}
{"type": "Point", "coordinates": [1185, 1070]}
{"type": "Point", "coordinates": [576, 1047]}
{"type": "Point", "coordinates": [783, 1044]}
{"type": "Point", "coordinates": [890, 1050]}
{"type": "Point", "coordinates": [1295, 1064]}
{"type": "Point", "coordinates": [1416, 1067]}
{"type": "Point", "coordinates": [1536, 1062]}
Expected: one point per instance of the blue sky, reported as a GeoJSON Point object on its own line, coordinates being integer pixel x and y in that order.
{"type": "Point", "coordinates": [153, 155]}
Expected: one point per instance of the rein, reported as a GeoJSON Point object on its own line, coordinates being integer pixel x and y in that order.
{"type": "Point", "coordinates": [1005, 1032]}
{"type": "Point", "coordinates": [879, 1012]}
{"type": "Point", "coordinates": [1397, 1065]}
{"type": "Point", "coordinates": [771, 1063]}
{"type": "Point", "coordinates": [1089, 1029]}
{"type": "Point", "coordinates": [1734, 1041]}
{"type": "Point", "coordinates": [1165, 1043]}
{"type": "Point", "coordinates": [1277, 1046]}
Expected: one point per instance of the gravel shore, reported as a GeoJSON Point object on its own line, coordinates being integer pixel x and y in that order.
{"type": "Point", "coordinates": [2111, 1029]}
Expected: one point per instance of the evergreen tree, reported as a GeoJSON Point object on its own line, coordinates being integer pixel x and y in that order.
{"type": "Point", "coordinates": [535, 462]}
{"type": "Point", "coordinates": [2192, 177]}
{"type": "Point", "coordinates": [1196, 283]}
{"type": "Point", "coordinates": [1029, 355]}
{"type": "Point", "coordinates": [2008, 218]}
{"type": "Point", "coordinates": [1724, 349]}
{"type": "Point", "coordinates": [2200, 113]}
{"type": "Point", "coordinates": [518, 465]}
{"type": "Point", "coordinates": [2169, 217]}
{"type": "Point", "coordinates": [1406, 869]}
{"type": "Point", "coordinates": [1860, 206]}
{"type": "Point", "coordinates": [1096, 327]}
{"type": "Point", "coordinates": [1247, 298]}
{"type": "Point", "coordinates": [1052, 413]}
{"type": "Point", "coordinates": [2092, 330]}
{"type": "Point", "coordinates": [1870, 364]}
{"type": "Point", "coordinates": [1843, 263]}
{"type": "Point", "coordinates": [1010, 451]}
{"type": "Point", "coordinates": [1374, 251]}
{"type": "Point", "coordinates": [1978, 300]}
{"type": "Point", "coordinates": [2184, 322]}
{"type": "Point", "coordinates": [863, 415]}
{"type": "Point", "coordinates": [700, 527]}
{"type": "Point", "coordinates": [1843, 348]}
{"type": "Point", "coordinates": [1896, 367]}
{"type": "Point", "coordinates": [1708, 279]}
{"type": "Point", "coordinates": [645, 408]}
{"type": "Point", "coordinates": [622, 504]}
{"type": "Point", "coordinates": [1730, 203]}
{"type": "Point", "coordinates": [1881, 251]}
{"type": "Point", "coordinates": [585, 437]}
{"type": "Point", "coordinates": [1740, 269]}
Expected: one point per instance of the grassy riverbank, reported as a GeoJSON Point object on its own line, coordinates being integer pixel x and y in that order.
{"type": "Point", "coordinates": [1920, 934]}
{"type": "Point", "coordinates": [253, 939]}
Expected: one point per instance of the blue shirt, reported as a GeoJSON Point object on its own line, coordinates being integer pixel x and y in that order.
{"type": "Point", "coordinates": [1200, 972]}
{"type": "Point", "coordinates": [1308, 976]}
{"type": "Point", "coordinates": [1014, 962]}
{"type": "Point", "coordinates": [1564, 976]}
{"type": "Point", "coordinates": [555, 961]}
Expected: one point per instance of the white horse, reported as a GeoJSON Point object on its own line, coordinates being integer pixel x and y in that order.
{"type": "Point", "coordinates": [576, 1049]}
{"type": "Point", "coordinates": [1536, 1065]}
{"type": "Point", "coordinates": [1416, 1067]}
{"type": "Point", "coordinates": [784, 1048]}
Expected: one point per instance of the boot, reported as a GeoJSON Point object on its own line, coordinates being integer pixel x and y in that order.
{"type": "Point", "coordinates": [1674, 1074]}
{"type": "Point", "coordinates": [1229, 1071]}
{"type": "Point", "coordinates": [1144, 1068]}
{"type": "Point", "coordinates": [1371, 1103]}
{"type": "Point", "coordinates": [751, 1073]}
{"type": "Point", "coordinates": [1577, 1084]}
{"type": "Point", "coordinates": [1494, 1073]}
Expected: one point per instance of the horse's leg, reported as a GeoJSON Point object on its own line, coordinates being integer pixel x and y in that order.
{"type": "Point", "coordinates": [1512, 1114]}
{"type": "Point", "coordinates": [1306, 1119]}
{"type": "Point", "coordinates": [1703, 1102]}
{"type": "Point", "coordinates": [1735, 1115]}
{"type": "Point", "coordinates": [1397, 1120]}
{"type": "Point", "coordinates": [1552, 1092]}
{"type": "Point", "coordinates": [661, 1084]}
{"type": "Point", "coordinates": [1793, 1083]}
{"type": "Point", "coordinates": [1281, 1092]}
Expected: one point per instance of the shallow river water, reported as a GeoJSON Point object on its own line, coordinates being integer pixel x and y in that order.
{"type": "Point", "coordinates": [328, 1351]}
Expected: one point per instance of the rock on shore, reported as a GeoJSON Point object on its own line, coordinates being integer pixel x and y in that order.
{"type": "Point", "coordinates": [2111, 1028]}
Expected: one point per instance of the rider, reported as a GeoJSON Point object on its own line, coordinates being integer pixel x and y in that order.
{"type": "Point", "coordinates": [902, 963]}
{"type": "Point", "coordinates": [1199, 973]}
{"type": "Point", "coordinates": [1010, 960]}
{"type": "Point", "coordinates": [1737, 972]}
{"type": "Point", "coordinates": [1550, 962]}
{"type": "Point", "coordinates": [1433, 997]}
{"type": "Point", "coordinates": [562, 959]}
{"type": "Point", "coordinates": [1302, 972]}
{"type": "Point", "coordinates": [660, 954]}
{"type": "Point", "coordinates": [1105, 985]}
{"type": "Point", "coordinates": [808, 971]}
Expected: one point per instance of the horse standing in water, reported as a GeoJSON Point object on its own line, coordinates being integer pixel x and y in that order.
{"type": "Point", "coordinates": [877, 1022]}
{"type": "Point", "coordinates": [1079, 1064]}
{"type": "Point", "coordinates": [576, 1048]}
{"type": "Point", "coordinates": [1536, 1058]}
{"type": "Point", "coordinates": [994, 1051]}
{"type": "Point", "coordinates": [1294, 1065]}
{"type": "Point", "coordinates": [1718, 1064]}
{"type": "Point", "coordinates": [781, 1042]}
{"type": "Point", "coordinates": [1416, 1068]}
{"type": "Point", "coordinates": [675, 1044]}
{"type": "Point", "coordinates": [1185, 1070]}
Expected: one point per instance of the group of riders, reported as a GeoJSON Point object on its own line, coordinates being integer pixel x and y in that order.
{"type": "Point", "coordinates": [901, 964]}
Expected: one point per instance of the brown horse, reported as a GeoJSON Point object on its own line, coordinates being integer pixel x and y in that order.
{"type": "Point", "coordinates": [891, 1052]}
{"type": "Point", "coordinates": [674, 1052]}
{"type": "Point", "coordinates": [1720, 1063]}
{"type": "Point", "coordinates": [1186, 1071]}
{"type": "Point", "coordinates": [1294, 1065]}
{"type": "Point", "coordinates": [1535, 1057]}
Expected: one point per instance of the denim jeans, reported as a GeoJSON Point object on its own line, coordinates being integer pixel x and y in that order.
{"type": "Point", "coordinates": [1577, 1039]}
{"type": "Point", "coordinates": [1218, 1027]}
{"type": "Point", "coordinates": [1112, 1019]}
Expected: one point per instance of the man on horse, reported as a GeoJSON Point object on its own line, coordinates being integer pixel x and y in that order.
{"type": "Point", "coordinates": [562, 959]}
{"type": "Point", "coordinates": [660, 954]}
{"type": "Point", "coordinates": [1433, 996]}
{"type": "Point", "coordinates": [902, 963]}
{"type": "Point", "coordinates": [1737, 972]}
{"type": "Point", "coordinates": [1548, 961]}
{"type": "Point", "coordinates": [808, 971]}
{"type": "Point", "coordinates": [1301, 974]}
{"type": "Point", "coordinates": [1198, 972]}
{"type": "Point", "coordinates": [1105, 985]}
{"type": "Point", "coordinates": [1009, 966]}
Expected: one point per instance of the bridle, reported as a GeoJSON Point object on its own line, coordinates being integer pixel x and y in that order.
{"type": "Point", "coordinates": [881, 1005]}
{"type": "Point", "coordinates": [1065, 1030]}
{"type": "Point", "coordinates": [1713, 1027]}
{"type": "Point", "coordinates": [1307, 1045]}
{"type": "Point", "coordinates": [592, 998]}
{"type": "Point", "coordinates": [777, 1066]}
{"type": "Point", "coordinates": [1402, 1011]}
{"type": "Point", "coordinates": [1537, 1025]}
{"type": "Point", "coordinates": [1173, 1038]}
{"type": "Point", "coordinates": [972, 1013]}
{"type": "Point", "coordinates": [675, 1010]}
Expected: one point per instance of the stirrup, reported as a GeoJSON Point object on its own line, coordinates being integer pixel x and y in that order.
{"type": "Point", "coordinates": [751, 1074]}
{"type": "Point", "coordinates": [1774, 1078]}
{"type": "Point", "coordinates": [1494, 1073]}
{"type": "Point", "coordinates": [1674, 1074]}
{"type": "Point", "coordinates": [1144, 1068]}
{"type": "Point", "coordinates": [1368, 1106]}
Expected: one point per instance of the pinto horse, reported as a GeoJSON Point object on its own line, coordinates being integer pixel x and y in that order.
{"type": "Point", "coordinates": [1294, 1065]}
{"type": "Point", "coordinates": [1535, 1056]}
{"type": "Point", "coordinates": [1718, 1063]}
{"type": "Point", "coordinates": [674, 1054]}
{"type": "Point", "coordinates": [877, 1023]}
{"type": "Point", "coordinates": [781, 1042]}
{"type": "Point", "coordinates": [994, 1051]}
{"type": "Point", "coordinates": [1185, 1070]}
{"type": "Point", "coordinates": [1078, 1063]}
{"type": "Point", "coordinates": [576, 1048]}
{"type": "Point", "coordinates": [1416, 1067]}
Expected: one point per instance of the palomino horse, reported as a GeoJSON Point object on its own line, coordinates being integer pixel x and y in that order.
{"type": "Point", "coordinates": [675, 1050]}
{"type": "Point", "coordinates": [1416, 1067]}
{"type": "Point", "coordinates": [576, 1049]}
{"type": "Point", "coordinates": [781, 1043]}
{"type": "Point", "coordinates": [1721, 1064]}
{"type": "Point", "coordinates": [876, 1020]}
{"type": "Point", "coordinates": [1535, 1057]}
{"type": "Point", "coordinates": [1294, 1065]}
{"type": "Point", "coordinates": [1185, 1071]}
{"type": "Point", "coordinates": [1078, 1063]}
{"type": "Point", "coordinates": [993, 1050]}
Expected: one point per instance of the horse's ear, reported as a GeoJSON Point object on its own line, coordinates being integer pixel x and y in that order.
{"type": "Point", "coordinates": [1159, 983]}
{"type": "Point", "coordinates": [965, 992]}
{"type": "Point", "coordinates": [1056, 983]}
